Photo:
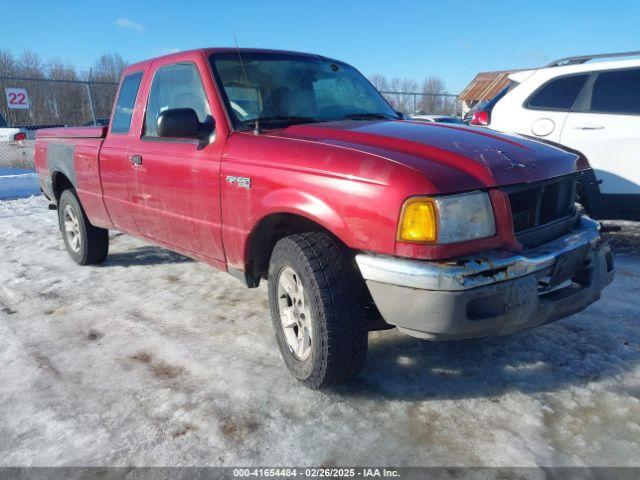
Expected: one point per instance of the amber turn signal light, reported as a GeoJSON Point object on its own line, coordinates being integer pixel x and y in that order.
{"type": "Point", "coordinates": [418, 221]}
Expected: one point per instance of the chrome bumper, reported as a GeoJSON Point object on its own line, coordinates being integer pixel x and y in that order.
{"type": "Point", "coordinates": [478, 270]}
{"type": "Point", "coordinates": [491, 293]}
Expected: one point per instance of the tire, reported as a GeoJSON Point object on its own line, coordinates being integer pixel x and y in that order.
{"type": "Point", "coordinates": [330, 309]}
{"type": "Point", "coordinates": [85, 243]}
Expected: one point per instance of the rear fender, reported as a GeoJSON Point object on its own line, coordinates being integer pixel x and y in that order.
{"type": "Point", "coordinates": [60, 161]}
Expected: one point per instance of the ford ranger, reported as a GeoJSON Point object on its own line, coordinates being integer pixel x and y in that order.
{"type": "Point", "coordinates": [291, 167]}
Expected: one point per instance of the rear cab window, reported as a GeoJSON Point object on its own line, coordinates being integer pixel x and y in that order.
{"type": "Point", "coordinates": [125, 103]}
{"type": "Point", "coordinates": [616, 92]}
{"type": "Point", "coordinates": [558, 94]}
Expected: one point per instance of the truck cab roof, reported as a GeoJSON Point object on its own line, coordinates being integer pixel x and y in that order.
{"type": "Point", "coordinates": [211, 50]}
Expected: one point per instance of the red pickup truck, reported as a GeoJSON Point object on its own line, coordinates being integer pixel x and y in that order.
{"type": "Point", "coordinates": [291, 167]}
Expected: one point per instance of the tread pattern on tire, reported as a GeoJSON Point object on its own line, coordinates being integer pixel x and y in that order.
{"type": "Point", "coordinates": [339, 295]}
{"type": "Point", "coordinates": [96, 245]}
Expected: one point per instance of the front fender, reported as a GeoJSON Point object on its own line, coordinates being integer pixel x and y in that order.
{"type": "Point", "coordinates": [245, 217]}
{"type": "Point", "coordinates": [290, 200]}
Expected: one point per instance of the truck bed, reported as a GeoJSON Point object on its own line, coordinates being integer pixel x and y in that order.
{"type": "Point", "coordinates": [70, 155]}
{"type": "Point", "coordinates": [73, 132]}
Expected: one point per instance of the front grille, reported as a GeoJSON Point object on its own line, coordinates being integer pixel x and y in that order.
{"type": "Point", "coordinates": [543, 211]}
{"type": "Point", "coordinates": [521, 220]}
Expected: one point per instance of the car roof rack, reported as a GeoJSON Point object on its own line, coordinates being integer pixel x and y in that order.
{"type": "Point", "coordinates": [585, 58]}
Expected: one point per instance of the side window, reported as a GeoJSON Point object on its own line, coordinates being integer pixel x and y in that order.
{"type": "Point", "coordinates": [126, 101]}
{"type": "Point", "coordinates": [617, 92]}
{"type": "Point", "coordinates": [559, 94]}
{"type": "Point", "coordinates": [175, 86]}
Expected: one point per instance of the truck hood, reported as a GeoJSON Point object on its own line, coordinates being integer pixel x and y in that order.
{"type": "Point", "coordinates": [454, 158]}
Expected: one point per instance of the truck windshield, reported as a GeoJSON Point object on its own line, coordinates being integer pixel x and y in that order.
{"type": "Point", "coordinates": [277, 90]}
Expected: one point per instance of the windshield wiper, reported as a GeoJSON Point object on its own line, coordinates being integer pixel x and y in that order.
{"type": "Point", "coordinates": [259, 122]}
{"type": "Point", "coordinates": [368, 116]}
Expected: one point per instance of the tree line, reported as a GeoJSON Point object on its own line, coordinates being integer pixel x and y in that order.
{"type": "Point", "coordinates": [431, 95]}
{"type": "Point", "coordinates": [58, 103]}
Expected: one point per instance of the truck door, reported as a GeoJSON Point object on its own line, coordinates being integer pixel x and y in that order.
{"type": "Point", "coordinates": [174, 184]}
{"type": "Point", "coordinates": [606, 128]}
{"type": "Point", "coordinates": [114, 163]}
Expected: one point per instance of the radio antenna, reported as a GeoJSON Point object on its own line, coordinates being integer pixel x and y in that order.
{"type": "Point", "coordinates": [244, 71]}
{"type": "Point", "coordinates": [256, 128]}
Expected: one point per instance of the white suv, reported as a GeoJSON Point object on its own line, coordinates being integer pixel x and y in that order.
{"type": "Point", "coordinates": [590, 107]}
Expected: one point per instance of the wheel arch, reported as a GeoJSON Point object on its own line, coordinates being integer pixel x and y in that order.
{"type": "Point", "coordinates": [60, 182]}
{"type": "Point", "coordinates": [268, 231]}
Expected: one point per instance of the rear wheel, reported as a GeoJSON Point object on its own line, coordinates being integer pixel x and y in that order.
{"type": "Point", "coordinates": [85, 243]}
{"type": "Point", "coordinates": [317, 309]}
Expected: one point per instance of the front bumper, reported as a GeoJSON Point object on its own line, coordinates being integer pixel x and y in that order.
{"type": "Point", "coordinates": [493, 293]}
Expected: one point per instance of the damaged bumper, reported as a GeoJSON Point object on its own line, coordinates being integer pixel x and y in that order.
{"type": "Point", "coordinates": [493, 293]}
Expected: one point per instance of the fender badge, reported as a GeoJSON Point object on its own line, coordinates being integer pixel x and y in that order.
{"type": "Point", "coordinates": [242, 182]}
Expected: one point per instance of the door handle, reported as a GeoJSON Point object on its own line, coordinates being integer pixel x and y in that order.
{"type": "Point", "coordinates": [135, 159]}
{"type": "Point", "coordinates": [588, 126]}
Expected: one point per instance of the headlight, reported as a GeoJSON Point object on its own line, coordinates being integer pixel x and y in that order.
{"type": "Point", "coordinates": [449, 219]}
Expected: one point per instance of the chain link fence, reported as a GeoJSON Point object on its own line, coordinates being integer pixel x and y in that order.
{"type": "Point", "coordinates": [57, 102]}
{"type": "Point", "coordinates": [54, 103]}
{"type": "Point", "coordinates": [411, 103]}
{"type": "Point", "coordinates": [41, 103]}
{"type": "Point", "coordinates": [18, 155]}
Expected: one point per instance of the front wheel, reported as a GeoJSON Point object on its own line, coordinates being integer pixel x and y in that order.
{"type": "Point", "coordinates": [317, 309]}
{"type": "Point", "coordinates": [85, 243]}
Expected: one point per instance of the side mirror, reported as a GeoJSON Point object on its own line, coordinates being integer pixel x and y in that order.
{"type": "Point", "coordinates": [179, 123]}
{"type": "Point", "coordinates": [401, 115]}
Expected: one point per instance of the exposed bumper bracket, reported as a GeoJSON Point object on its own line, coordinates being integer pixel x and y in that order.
{"type": "Point", "coordinates": [493, 293]}
{"type": "Point", "coordinates": [482, 269]}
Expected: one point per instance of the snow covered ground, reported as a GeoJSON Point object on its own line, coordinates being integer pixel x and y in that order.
{"type": "Point", "coordinates": [152, 359]}
{"type": "Point", "coordinates": [17, 182]}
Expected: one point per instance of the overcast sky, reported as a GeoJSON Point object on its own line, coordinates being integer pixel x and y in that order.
{"type": "Point", "coordinates": [452, 39]}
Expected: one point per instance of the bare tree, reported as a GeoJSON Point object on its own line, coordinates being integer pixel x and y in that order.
{"type": "Point", "coordinates": [8, 65]}
{"type": "Point", "coordinates": [107, 68]}
{"type": "Point", "coordinates": [30, 65]}
{"type": "Point", "coordinates": [400, 92]}
{"type": "Point", "coordinates": [379, 81]}
{"type": "Point", "coordinates": [8, 68]}
{"type": "Point", "coordinates": [405, 95]}
{"type": "Point", "coordinates": [62, 101]}
{"type": "Point", "coordinates": [433, 99]}
{"type": "Point", "coordinates": [58, 70]}
{"type": "Point", "coordinates": [68, 101]}
{"type": "Point", "coordinates": [433, 84]}
{"type": "Point", "coordinates": [403, 101]}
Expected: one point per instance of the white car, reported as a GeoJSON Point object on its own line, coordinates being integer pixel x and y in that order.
{"type": "Point", "coordinates": [16, 146]}
{"type": "Point", "coordinates": [8, 133]}
{"type": "Point", "coordinates": [592, 107]}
